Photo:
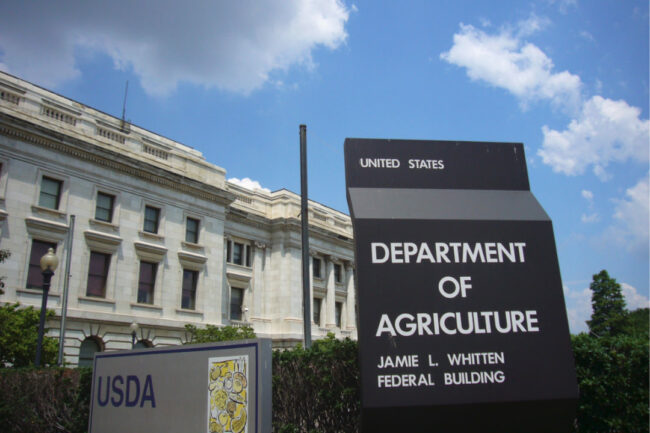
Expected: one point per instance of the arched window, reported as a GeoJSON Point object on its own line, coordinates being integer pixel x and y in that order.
{"type": "Point", "coordinates": [143, 344]}
{"type": "Point", "coordinates": [87, 351]}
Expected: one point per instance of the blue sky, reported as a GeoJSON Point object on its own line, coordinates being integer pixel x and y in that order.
{"type": "Point", "coordinates": [568, 78]}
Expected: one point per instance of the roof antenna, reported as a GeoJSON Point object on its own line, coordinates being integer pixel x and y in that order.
{"type": "Point", "coordinates": [126, 91]}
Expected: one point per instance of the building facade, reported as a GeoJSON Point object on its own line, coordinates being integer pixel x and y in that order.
{"type": "Point", "coordinates": [156, 235]}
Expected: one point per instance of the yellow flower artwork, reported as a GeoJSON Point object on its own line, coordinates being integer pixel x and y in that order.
{"type": "Point", "coordinates": [228, 395]}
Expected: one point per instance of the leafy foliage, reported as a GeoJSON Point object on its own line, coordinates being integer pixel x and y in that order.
{"type": "Point", "coordinates": [609, 315]}
{"type": "Point", "coordinates": [613, 378]}
{"type": "Point", "coordinates": [612, 363]}
{"type": "Point", "coordinates": [44, 400]}
{"type": "Point", "coordinates": [637, 323]}
{"type": "Point", "coordinates": [318, 389]}
{"type": "Point", "coordinates": [18, 335]}
{"type": "Point", "coordinates": [212, 333]}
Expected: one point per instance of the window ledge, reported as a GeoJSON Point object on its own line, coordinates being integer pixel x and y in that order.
{"type": "Point", "coordinates": [96, 299]}
{"type": "Point", "coordinates": [186, 311]}
{"type": "Point", "coordinates": [38, 292]}
{"type": "Point", "coordinates": [190, 246]}
{"type": "Point", "coordinates": [49, 212]}
{"type": "Point", "coordinates": [240, 267]}
{"type": "Point", "coordinates": [192, 260]}
{"type": "Point", "coordinates": [239, 273]}
{"type": "Point", "coordinates": [97, 224]}
{"type": "Point", "coordinates": [151, 236]}
{"type": "Point", "coordinates": [146, 306]}
{"type": "Point", "coordinates": [151, 252]}
{"type": "Point", "coordinates": [102, 242]}
{"type": "Point", "coordinates": [239, 323]}
{"type": "Point", "coordinates": [46, 229]}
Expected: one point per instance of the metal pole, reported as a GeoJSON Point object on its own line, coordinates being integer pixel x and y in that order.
{"type": "Point", "coordinates": [306, 295]}
{"type": "Point", "coordinates": [47, 278]}
{"type": "Point", "coordinates": [66, 282]}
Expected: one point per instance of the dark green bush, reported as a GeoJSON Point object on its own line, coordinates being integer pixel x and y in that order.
{"type": "Point", "coordinates": [317, 390]}
{"type": "Point", "coordinates": [212, 333]}
{"type": "Point", "coordinates": [613, 378]}
{"type": "Point", "coordinates": [44, 400]}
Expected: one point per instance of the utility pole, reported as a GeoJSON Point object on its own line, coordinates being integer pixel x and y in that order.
{"type": "Point", "coordinates": [306, 295]}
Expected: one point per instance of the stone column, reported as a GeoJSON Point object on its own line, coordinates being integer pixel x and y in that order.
{"type": "Point", "coordinates": [312, 254]}
{"type": "Point", "coordinates": [257, 286]}
{"type": "Point", "coordinates": [351, 296]}
{"type": "Point", "coordinates": [330, 319]}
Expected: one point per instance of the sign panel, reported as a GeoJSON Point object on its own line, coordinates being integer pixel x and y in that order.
{"type": "Point", "coordinates": [211, 388]}
{"type": "Point", "coordinates": [462, 316]}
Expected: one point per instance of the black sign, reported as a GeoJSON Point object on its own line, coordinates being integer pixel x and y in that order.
{"type": "Point", "coordinates": [462, 316]}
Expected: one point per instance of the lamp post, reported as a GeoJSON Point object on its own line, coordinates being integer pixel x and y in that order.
{"type": "Point", "coordinates": [134, 330]}
{"type": "Point", "coordinates": [49, 262]}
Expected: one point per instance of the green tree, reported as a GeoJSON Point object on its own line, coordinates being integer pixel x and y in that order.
{"type": "Point", "coordinates": [609, 316]}
{"type": "Point", "coordinates": [18, 335]}
{"type": "Point", "coordinates": [637, 323]}
{"type": "Point", "coordinates": [212, 333]}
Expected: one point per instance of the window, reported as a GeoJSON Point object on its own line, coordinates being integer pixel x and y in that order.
{"type": "Point", "coordinates": [146, 282]}
{"type": "Point", "coordinates": [316, 268]}
{"type": "Point", "coordinates": [188, 298]}
{"type": "Point", "coordinates": [338, 273]}
{"type": "Point", "coordinates": [50, 193]}
{"type": "Point", "coordinates": [151, 219]}
{"type": "Point", "coordinates": [316, 313]}
{"type": "Point", "coordinates": [34, 273]}
{"type": "Point", "coordinates": [104, 209]}
{"type": "Point", "coordinates": [236, 302]}
{"type": "Point", "coordinates": [192, 230]}
{"type": "Point", "coordinates": [87, 352]}
{"type": "Point", "coordinates": [238, 253]}
{"type": "Point", "coordinates": [338, 308]}
{"type": "Point", "coordinates": [97, 274]}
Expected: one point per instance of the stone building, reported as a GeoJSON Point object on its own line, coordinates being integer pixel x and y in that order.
{"type": "Point", "coordinates": [157, 236]}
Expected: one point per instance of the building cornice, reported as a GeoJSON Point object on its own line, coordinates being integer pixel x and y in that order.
{"type": "Point", "coordinates": [13, 127]}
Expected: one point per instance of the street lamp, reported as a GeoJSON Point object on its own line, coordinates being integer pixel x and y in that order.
{"type": "Point", "coordinates": [49, 262]}
{"type": "Point", "coordinates": [134, 330]}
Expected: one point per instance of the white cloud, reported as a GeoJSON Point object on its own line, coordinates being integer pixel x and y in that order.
{"type": "Point", "coordinates": [563, 5]}
{"type": "Point", "coordinates": [531, 25]}
{"type": "Point", "coordinates": [233, 46]}
{"type": "Point", "coordinates": [587, 36]}
{"type": "Point", "coordinates": [633, 299]}
{"type": "Point", "coordinates": [633, 217]}
{"type": "Point", "coordinates": [578, 303]}
{"type": "Point", "coordinates": [248, 183]}
{"type": "Point", "coordinates": [506, 61]}
{"type": "Point", "coordinates": [606, 131]}
{"type": "Point", "coordinates": [485, 22]}
{"type": "Point", "coordinates": [591, 218]}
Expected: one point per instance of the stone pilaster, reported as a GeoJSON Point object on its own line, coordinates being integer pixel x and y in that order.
{"type": "Point", "coordinates": [330, 319]}
{"type": "Point", "coordinates": [351, 297]}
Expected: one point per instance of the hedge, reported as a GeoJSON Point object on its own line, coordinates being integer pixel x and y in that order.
{"type": "Point", "coordinates": [44, 400]}
{"type": "Point", "coordinates": [317, 390]}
